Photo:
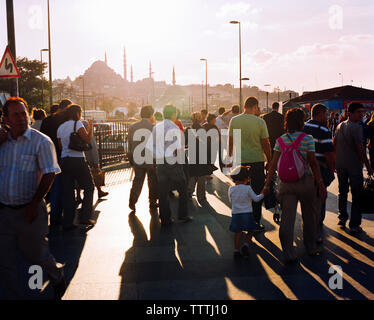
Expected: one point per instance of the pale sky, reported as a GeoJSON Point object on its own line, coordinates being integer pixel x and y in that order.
{"type": "Point", "coordinates": [291, 44]}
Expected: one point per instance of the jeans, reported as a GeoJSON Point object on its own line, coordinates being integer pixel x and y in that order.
{"type": "Point", "coordinates": [76, 169]}
{"type": "Point", "coordinates": [55, 196]}
{"type": "Point", "coordinates": [350, 178]}
{"type": "Point", "coordinates": [138, 182]}
{"type": "Point", "coordinates": [257, 182]}
{"type": "Point", "coordinates": [167, 176]}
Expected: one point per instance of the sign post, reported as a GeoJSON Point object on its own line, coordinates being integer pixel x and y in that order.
{"type": "Point", "coordinates": [11, 43]}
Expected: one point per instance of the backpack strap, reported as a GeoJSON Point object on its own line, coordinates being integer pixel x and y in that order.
{"type": "Point", "coordinates": [295, 143]}
{"type": "Point", "coordinates": [75, 126]}
{"type": "Point", "coordinates": [282, 145]}
{"type": "Point", "coordinates": [298, 140]}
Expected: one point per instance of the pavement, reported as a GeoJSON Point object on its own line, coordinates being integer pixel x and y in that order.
{"type": "Point", "coordinates": [131, 257]}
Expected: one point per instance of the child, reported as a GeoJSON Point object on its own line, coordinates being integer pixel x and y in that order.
{"type": "Point", "coordinates": [241, 196]}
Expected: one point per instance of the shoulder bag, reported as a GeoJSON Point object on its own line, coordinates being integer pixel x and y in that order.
{"type": "Point", "coordinates": [76, 142]}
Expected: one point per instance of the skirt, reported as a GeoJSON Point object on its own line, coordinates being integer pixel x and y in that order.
{"type": "Point", "coordinates": [243, 222]}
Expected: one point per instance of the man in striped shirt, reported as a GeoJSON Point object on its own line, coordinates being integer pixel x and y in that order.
{"type": "Point", "coordinates": [28, 165]}
{"type": "Point", "coordinates": [317, 127]}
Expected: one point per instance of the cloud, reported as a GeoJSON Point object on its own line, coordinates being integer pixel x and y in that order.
{"type": "Point", "coordinates": [262, 56]}
{"type": "Point", "coordinates": [235, 10]}
{"type": "Point", "coordinates": [314, 66]}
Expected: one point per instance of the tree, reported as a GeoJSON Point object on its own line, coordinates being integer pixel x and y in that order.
{"type": "Point", "coordinates": [30, 82]}
{"type": "Point", "coordinates": [132, 109]}
{"type": "Point", "coordinates": [107, 105]}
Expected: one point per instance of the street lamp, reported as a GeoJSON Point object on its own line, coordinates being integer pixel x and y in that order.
{"type": "Point", "coordinates": [84, 104]}
{"type": "Point", "coordinates": [202, 94]}
{"type": "Point", "coordinates": [206, 83]}
{"type": "Point", "coordinates": [278, 90]}
{"type": "Point", "coordinates": [267, 97]}
{"type": "Point", "coordinates": [50, 58]}
{"type": "Point", "coordinates": [240, 64]}
{"type": "Point", "coordinates": [245, 79]}
{"type": "Point", "coordinates": [41, 61]}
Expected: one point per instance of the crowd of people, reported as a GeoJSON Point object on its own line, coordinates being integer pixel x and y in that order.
{"type": "Point", "coordinates": [325, 147]}
{"type": "Point", "coordinates": [299, 155]}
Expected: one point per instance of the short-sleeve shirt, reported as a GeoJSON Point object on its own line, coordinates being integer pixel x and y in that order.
{"type": "Point", "coordinates": [322, 138]}
{"type": "Point", "coordinates": [64, 131]}
{"type": "Point", "coordinates": [306, 145]}
{"type": "Point", "coordinates": [347, 136]}
{"type": "Point", "coordinates": [22, 164]}
{"type": "Point", "coordinates": [252, 130]}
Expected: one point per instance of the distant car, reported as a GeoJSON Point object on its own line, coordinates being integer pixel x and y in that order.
{"type": "Point", "coordinates": [113, 145]}
{"type": "Point", "coordinates": [103, 128]}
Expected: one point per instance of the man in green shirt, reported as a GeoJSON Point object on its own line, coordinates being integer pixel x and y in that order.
{"type": "Point", "coordinates": [255, 145]}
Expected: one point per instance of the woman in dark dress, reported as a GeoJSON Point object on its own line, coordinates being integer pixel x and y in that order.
{"type": "Point", "coordinates": [197, 171]}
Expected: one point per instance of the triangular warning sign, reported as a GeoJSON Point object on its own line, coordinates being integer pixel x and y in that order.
{"type": "Point", "coordinates": [8, 68]}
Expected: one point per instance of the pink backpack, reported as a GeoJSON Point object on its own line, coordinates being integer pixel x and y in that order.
{"type": "Point", "coordinates": [291, 166]}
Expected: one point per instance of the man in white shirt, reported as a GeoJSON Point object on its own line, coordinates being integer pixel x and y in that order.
{"type": "Point", "coordinates": [169, 156]}
{"type": "Point", "coordinates": [220, 123]}
{"type": "Point", "coordinates": [28, 165]}
{"type": "Point", "coordinates": [228, 115]}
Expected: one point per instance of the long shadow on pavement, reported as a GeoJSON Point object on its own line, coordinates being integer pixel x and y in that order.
{"type": "Point", "coordinates": [172, 264]}
{"type": "Point", "coordinates": [308, 280]}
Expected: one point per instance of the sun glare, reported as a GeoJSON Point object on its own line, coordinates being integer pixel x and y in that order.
{"type": "Point", "coordinates": [131, 21]}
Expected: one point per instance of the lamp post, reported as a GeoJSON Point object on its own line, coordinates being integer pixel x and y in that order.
{"type": "Point", "coordinates": [278, 90]}
{"type": "Point", "coordinates": [267, 98]}
{"type": "Point", "coordinates": [84, 104]}
{"type": "Point", "coordinates": [245, 79]}
{"type": "Point", "coordinates": [50, 58]}
{"type": "Point", "coordinates": [206, 83]}
{"type": "Point", "coordinates": [240, 63]}
{"type": "Point", "coordinates": [41, 61]}
{"type": "Point", "coordinates": [202, 94]}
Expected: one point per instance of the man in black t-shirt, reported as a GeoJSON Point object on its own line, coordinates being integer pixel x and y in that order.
{"type": "Point", "coordinates": [49, 127]}
{"type": "Point", "coordinates": [275, 123]}
{"type": "Point", "coordinates": [51, 123]}
{"type": "Point", "coordinates": [317, 127]}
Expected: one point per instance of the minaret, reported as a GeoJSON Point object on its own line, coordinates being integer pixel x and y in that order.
{"type": "Point", "coordinates": [106, 59]}
{"type": "Point", "coordinates": [124, 65]}
{"type": "Point", "coordinates": [150, 70]}
{"type": "Point", "coordinates": [174, 82]}
{"type": "Point", "coordinates": [132, 75]}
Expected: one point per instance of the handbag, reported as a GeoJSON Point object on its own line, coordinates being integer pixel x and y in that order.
{"type": "Point", "coordinates": [98, 177]}
{"type": "Point", "coordinates": [366, 197]}
{"type": "Point", "coordinates": [76, 142]}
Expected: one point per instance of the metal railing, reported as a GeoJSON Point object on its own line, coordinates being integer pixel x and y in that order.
{"type": "Point", "coordinates": [112, 144]}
